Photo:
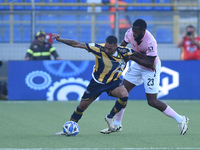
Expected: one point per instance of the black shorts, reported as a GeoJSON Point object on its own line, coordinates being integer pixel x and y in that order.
{"type": "Point", "coordinates": [95, 89]}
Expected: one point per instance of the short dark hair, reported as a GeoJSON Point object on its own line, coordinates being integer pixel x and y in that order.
{"type": "Point", "coordinates": [111, 39]}
{"type": "Point", "coordinates": [140, 23]}
{"type": "Point", "coordinates": [190, 26]}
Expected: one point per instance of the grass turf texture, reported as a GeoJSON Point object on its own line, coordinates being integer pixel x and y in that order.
{"type": "Point", "coordinates": [33, 125]}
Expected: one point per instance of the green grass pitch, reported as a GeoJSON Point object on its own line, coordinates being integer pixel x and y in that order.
{"type": "Point", "coordinates": [32, 125]}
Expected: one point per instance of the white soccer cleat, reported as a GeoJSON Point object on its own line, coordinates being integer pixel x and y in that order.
{"type": "Point", "coordinates": [108, 131]}
{"type": "Point", "coordinates": [183, 125]}
{"type": "Point", "coordinates": [60, 133]}
{"type": "Point", "coordinates": [110, 123]}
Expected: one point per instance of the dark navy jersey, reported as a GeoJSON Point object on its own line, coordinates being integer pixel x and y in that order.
{"type": "Point", "coordinates": [108, 68]}
{"type": "Point", "coordinates": [41, 52]}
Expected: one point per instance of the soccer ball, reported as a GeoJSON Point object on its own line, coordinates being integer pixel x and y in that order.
{"type": "Point", "coordinates": [71, 128]}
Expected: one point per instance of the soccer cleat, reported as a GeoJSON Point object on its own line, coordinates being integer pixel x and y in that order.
{"type": "Point", "coordinates": [110, 123]}
{"type": "Point", "coordinates": [183, 125]}
{"type": "Point", "coordinates": [108, 131]}
{"type": "Point", "coordinates": [60, 133]}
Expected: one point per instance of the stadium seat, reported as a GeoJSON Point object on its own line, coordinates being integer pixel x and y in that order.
{"type": "Point", "coordinates": [69, 32]}
{"type": "Point", "coordinates": [83, 8]}
{"type": "Point", "coordinates": [5, 17]}
{"type": "Point", "coordinates": [162, 7]}
{"type": "Point", "coordinates": [68, 18]}
{"type": "Point", "coordinates": [105, 8]}
{"type": "Point", "coordinates": [16, 7]}
{"type": "Point", "coordinates": [85, 33]}
{"type": "Point", "coordinates": [102, 32]}
{"type": "Point", "coordinates": [85, 18]}
{"type": "Point", "coordinates": [26, 18]}
{"type": "Point", "coordinates": [36, 7]}
{"type": "Point", "coordinates": [74, 8]}
{"type": "Point", "coordinates": [164, 35]}
{"type": "Point", "coordinates": [129, 8]}
{"type": "Point", "coordinates": [144, 7]}
{"type": "Point", "coordinates": [1, 40]}
{"type": "Point", "coordinates": [17, 37]}
{"type": "Point", "coordinates": [6, 34]}
{"type": "Point", "coordinates": [147, 18]}
{"type": "Point", "coordinates": [49, 28]}
{"type": "Point", "coordinates": [3, 7]}
{"type": "Point", "coordinates": [52, 7]}
{"type": "Point", "coordinates": [17, 17]}
{"type": "Point", "coordinates": [26, 34]}
{"type": "Point", "coordinates": [49, 17]}
{"type": "Point", "coordinates": [103, 18]}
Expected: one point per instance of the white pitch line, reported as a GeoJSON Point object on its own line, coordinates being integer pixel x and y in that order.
{"type": "Point", "coordinates": [145, 148]}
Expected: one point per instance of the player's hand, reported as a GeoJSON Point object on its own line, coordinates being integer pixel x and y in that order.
{"type": "Point", "coordinates": [56, 36]}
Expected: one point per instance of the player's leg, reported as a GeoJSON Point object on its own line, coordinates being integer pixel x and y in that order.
{"type": "Point", "coordinates": [93, 90]}
{"type": "Point", "coordinates": [118, 117]}
{"type": "Point", "coordinates": [122, 95]}
{"type": "Point", "coordinates": [151, 84]}
{"type": "Point", "coordinates": [168, 111]}
{"type": "Point", "coordinates": [77, 114]}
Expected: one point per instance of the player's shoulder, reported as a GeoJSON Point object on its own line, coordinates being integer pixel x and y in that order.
{"type": "Point", "coordinates": [129, 31]}
{"type": "Point", "coordinates": [150, 38]}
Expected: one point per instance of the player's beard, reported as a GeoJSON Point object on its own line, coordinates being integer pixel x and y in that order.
{"type": "Point", "coordinates": [139, 38]}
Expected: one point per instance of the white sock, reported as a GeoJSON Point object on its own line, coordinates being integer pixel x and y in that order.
{"type": "Point", "coordinates": [178, 118]}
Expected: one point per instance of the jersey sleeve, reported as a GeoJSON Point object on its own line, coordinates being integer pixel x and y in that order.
{"type": "Point", "coordinates": [152, 49]}
{"type": "Point", "coordinates": [125, 52]}
{"type": "Point", "coordinates": [127, 36]}
{"type": "Point", "coordinates": [94, 48]}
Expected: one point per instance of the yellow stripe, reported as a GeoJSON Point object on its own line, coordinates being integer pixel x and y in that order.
{"type": "Point", "coordinates": [107, 68]}
{"type": "Point", "coordinates": [121, 102]}
{"type": "Point", "coordinates": [46, 53]}
{"type": "Point", "coordinates": [30, 51]}
{"type": "Point", "coordinates": [116, 110]}
{"type": "Point", "coordinates": [52, 49]}
{"type": "Point", "coordinates": [37, 54]}
{"type": "Point", "coordinates": [77, 112]}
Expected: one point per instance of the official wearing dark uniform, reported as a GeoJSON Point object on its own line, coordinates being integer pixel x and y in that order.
{"type": "Point", "coordinates": [41, 50]}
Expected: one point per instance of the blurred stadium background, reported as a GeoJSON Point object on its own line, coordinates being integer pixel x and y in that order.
{"type": "Point", "coordinates": [88, 21]}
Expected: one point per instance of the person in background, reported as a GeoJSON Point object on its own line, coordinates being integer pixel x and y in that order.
{"type": "Point", "coordinates": [189, 44]}
{"type": "Point", "coordinates": [40, 49]}
{"type": "Point", "coordinates": [124, 23]}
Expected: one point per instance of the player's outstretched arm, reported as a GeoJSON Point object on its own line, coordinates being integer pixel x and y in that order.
{"type": "Point", "coordinates": [69, 42]}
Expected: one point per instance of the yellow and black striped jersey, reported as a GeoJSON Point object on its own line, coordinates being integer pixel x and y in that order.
{"type": "Point", "coordinates": [108, 68]}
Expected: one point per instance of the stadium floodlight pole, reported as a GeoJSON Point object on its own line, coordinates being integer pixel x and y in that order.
{"type": "Point", "coordinates": [32, 20]}
{"type": "Point", "coordinates": [116, 20]}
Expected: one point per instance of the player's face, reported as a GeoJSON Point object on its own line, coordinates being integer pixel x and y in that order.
{"type": "Point", "coordinates": [41, 39]}
{"type": "Point", "coordinates": [110, 49]}
{"type": "Point", "coordinates": [138, 33]}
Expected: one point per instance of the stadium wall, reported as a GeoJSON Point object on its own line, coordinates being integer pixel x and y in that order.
{"type": "Point", "coordinates": [17, 51]}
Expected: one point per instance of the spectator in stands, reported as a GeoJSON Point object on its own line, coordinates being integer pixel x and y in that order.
{"type": "Point", "coordinates": [124, 23]}
{"type": "Point", "coordinates": [190, 45]}
{"type": "Point", "coordinates": [41, 49]}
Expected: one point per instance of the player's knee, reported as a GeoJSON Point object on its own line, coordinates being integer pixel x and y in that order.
{"type": "Point", "coordinates": [152, 103]}
{"type": "Point", "coordinates": [123, 94]}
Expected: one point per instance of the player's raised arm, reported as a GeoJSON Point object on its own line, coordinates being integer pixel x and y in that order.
{"type": "Point", "coordinates": [69, 42]}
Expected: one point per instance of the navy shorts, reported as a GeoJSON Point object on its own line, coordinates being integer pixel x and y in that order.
{"type": "Point", "coordinates": [95, 89]}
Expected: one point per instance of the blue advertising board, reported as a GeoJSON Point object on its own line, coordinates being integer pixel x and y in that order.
{"type": "Point", "coordinates": [67, 80]}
